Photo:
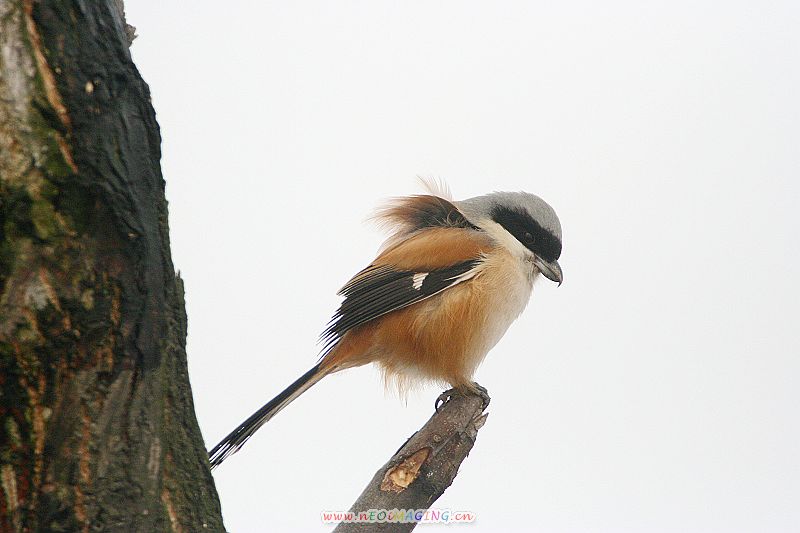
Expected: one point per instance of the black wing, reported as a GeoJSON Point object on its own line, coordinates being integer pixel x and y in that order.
{"type": "Point", "coordinates": [378, 290]}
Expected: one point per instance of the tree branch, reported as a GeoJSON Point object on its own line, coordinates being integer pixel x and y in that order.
{"type": "Point", "coordinates": [422, 469]}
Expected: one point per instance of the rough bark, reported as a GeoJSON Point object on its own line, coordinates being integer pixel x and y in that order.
{"type": "Point", "coordinates": [422, 469]}
{"type": "Point", "coordinates": [97, 425]}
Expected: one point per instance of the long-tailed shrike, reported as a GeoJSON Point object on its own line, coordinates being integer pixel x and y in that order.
{"type": "Point", "coordinates": [445, 288]}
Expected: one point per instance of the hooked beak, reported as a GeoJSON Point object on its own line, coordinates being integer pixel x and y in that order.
{"type": "Point", "coordinates": [551, 271]}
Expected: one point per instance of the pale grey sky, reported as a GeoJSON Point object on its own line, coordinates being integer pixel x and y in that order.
{"type": "Point", "coordinates": [654, 391]}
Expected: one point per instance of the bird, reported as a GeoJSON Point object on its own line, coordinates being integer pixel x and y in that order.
{"type": "Point", "coordinates": [442, 291]}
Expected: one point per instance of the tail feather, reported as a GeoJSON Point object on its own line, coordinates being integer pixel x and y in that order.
{"type": "Point", "coordinates": [236, 439]}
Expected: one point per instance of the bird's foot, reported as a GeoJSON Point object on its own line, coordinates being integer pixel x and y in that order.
{"type": "Point", "coordinates": [444, 398]}
{"type": "Point", "coordinates": [472, 388]}
{"type": "Point", "coordinates": [481, 391]}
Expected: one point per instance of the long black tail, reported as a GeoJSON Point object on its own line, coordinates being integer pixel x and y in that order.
{"type": "Point", "coordinates": [236, 439]}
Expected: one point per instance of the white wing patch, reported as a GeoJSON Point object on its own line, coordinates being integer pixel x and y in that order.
{"type": "Point", "coordinates": [417, 280]}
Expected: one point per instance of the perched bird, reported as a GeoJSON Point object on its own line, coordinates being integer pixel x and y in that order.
{"type": "Point", "coordinates": [448, 283]}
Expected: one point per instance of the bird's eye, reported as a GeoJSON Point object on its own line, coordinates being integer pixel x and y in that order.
{"type": "Point", "coordinates": [528, 237]}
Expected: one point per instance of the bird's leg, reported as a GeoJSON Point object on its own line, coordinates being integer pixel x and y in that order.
{"type": "Point", "coordinates": [472, 388]}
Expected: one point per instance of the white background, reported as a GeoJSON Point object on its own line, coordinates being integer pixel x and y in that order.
{"type": "Point", "coordinates": [656, 390]}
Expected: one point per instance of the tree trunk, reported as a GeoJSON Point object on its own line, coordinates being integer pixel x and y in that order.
{"type": "Point", "coordinates": [97, 425]}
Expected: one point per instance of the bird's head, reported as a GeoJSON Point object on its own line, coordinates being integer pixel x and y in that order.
{"type": "Point", "coordinates": [522, 222]}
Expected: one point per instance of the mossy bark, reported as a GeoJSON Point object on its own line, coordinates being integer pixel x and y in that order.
{"type": "Point", "coordinates": [97, 425]}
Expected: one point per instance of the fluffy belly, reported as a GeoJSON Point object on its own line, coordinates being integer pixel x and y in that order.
{"type": "Point", "coordinates": [446, 337]}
